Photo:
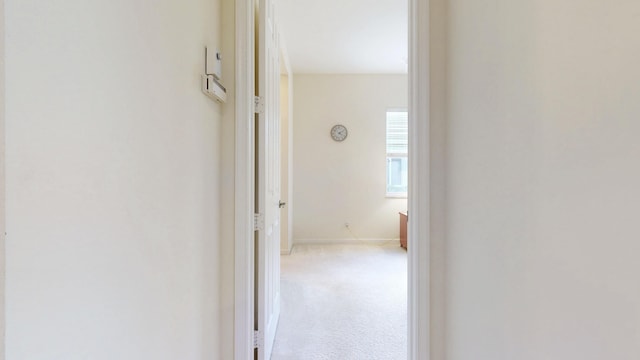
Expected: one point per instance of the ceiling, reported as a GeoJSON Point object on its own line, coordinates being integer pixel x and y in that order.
{"type": "Point", "coordinates": [345, 36]}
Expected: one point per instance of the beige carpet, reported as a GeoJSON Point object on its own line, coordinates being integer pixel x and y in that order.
{"type": "Point", "coordinates": [343, 302]}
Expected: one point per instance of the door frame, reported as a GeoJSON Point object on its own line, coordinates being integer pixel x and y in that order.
{"type": "Point", "coordinates": [3, 162]}
{"type": "Point", "coordinates": [426, 166]}
{"type": "Point", "coordinates": [244, 271]}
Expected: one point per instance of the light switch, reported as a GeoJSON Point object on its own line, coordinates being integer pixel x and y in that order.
{"type": "Point", "coordinates": [217, 67]}
{"type": "Point", "coordinates": [214, 63]}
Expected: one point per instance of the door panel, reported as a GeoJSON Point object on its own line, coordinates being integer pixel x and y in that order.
{"type": "Point", "coordinates": [268, 173]}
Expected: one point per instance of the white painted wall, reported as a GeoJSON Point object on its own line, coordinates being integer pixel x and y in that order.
{"type": "Point", "coordinates": [433, 31]}
{"type": "Point", "coordinates": [2, 183]}
{"type": "Point", "coordinates": [333, 182]}
{"type": "Point", "coordinates": [113, 180]}
{"type": "Point", "coordinates": [227, 185]}
{"type": "Point", "coordinates": [542, 180]}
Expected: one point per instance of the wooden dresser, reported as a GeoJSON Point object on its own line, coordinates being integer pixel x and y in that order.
{"type": "Point", "coordinates": [403, 229]}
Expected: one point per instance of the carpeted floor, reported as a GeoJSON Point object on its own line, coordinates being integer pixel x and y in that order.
{"type": "Point", "coordinates": [343, 302]}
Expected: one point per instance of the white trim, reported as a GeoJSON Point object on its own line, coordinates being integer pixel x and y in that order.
{"type": "Point", "coordinates": [244, 180]}
{"type": "Point", "coordinates": [2, 183]}
{"type": "Point", "coordinates": [419, 225]}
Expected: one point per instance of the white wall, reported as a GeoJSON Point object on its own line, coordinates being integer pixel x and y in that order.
{"type": "Point", "coordinates": [333, 182]}
{"type": "Point", "coordinates": [436, 107]}
{"type": "Point", "coordinates": [113, 180]}
{"type": "Point", "coordinates": [542, 180]}
{"type": "Point", "coordinates": [2, 181]}
{"type": "Point", "coordinates": [227, 185]}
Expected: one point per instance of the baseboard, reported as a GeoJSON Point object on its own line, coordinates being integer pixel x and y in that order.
{"type": "Point", "coordinates": [346, 242]}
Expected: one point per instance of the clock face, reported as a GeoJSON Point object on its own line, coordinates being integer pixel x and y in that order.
{"type": "Point", "coordinates": [339, 132]}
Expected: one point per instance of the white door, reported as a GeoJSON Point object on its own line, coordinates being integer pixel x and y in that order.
{"type": "Point", "coordinates": [268, 181]}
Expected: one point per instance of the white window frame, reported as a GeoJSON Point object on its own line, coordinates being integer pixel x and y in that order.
{"type": "Point", "coordinates": [394, 194]}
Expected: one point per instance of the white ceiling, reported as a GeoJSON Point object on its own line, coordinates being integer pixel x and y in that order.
{"type": "Point", "coordinates": [345, 36]}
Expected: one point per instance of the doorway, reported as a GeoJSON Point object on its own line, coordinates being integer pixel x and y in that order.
{"type": "Point", "coordinates": [347, 190]}
{"type": "Point", "coordinates": [426, 165]}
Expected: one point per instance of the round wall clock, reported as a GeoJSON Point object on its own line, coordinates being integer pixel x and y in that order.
{"type": "Point", "coordinates": [339, 132]}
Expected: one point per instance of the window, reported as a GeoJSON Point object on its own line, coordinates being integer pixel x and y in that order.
{"type": "Point", "coordinates": [397, 151]}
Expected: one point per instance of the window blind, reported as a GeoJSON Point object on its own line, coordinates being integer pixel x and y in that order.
{"type": "Point", "coordinates": [397, 132]}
